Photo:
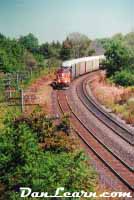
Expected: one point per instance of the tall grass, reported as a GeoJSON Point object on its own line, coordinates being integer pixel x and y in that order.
{"type": "Point", "coordinates": [119, 99]}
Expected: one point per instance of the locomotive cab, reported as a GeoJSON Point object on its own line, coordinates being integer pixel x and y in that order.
{"type": "Point", "coordinates": [63, 77]}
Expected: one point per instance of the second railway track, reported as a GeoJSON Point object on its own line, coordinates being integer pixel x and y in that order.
{"type": "Point", "coordinates": [117, 166]}
{"type": "Point", "coordinates": [102, 115]}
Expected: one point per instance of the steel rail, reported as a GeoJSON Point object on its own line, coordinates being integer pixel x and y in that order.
{"type": "Point", "coordinates": [96, 153]}
{"type": "Point", "coordinates": [96, 110]}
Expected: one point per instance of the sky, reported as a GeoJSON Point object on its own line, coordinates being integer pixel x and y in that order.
{"type": "Point", "coordinates": [52, 20]}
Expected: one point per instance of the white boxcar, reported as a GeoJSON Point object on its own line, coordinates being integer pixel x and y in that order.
{"type": "Point", "coordinates": [77, 69]}
{"type": "Point", "coordinates": [82, 68]}
{"type": "Point", "coordinates": [73, 71]}
{"type": "Point", "coordinates": [89, 66]}
{"type": "Point", "coordinates": [83, 65]}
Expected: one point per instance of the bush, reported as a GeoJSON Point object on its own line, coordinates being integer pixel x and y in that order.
{"type": "Point", "coordinates": [124, 78]}
{"type": "Point", "coordinates": [24, 164]}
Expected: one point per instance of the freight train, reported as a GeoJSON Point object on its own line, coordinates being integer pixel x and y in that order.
{"type": "Point", "coordinates": [72, 69]}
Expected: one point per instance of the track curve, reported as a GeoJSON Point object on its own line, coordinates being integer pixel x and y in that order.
{"type": "Point", "coordinates": [114, 164]}
{"type": "Point", "coordinates": [96, 110]}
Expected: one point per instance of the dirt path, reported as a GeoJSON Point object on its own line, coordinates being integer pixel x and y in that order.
{"type": "Point", "coordinates": [39, 92]}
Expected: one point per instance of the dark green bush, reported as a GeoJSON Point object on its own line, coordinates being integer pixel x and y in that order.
{"type": "Point", "coordinates": [124, 78]}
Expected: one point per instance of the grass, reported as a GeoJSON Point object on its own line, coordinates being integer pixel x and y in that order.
{"type": "Point", "coordinates": [119, 100]}
{"type": "Point", "coordinates": [6, 112]}
{"type": "Point", "coordinates": [4, 105]}
{"type": "Point", "coordinates": [125, 111]}
{"type": "Point", "coordinates": [34, 76]}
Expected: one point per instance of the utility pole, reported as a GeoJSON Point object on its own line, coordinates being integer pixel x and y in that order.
{"type": "Point", "coordinates": [17, 80]}
{"type": "Point", "coordinates": [22, 100]}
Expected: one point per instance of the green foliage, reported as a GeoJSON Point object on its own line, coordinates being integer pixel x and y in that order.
{"type": "Point", "coordinates": [118, 37]}
{"type": "Point", "coordinates": [51, 50]}
{"type": "Point", "coordinates": [129, 40]}
{"type": "Point", "coordinates": [24, 163]}
{"type": "Point", "coordinates": [124, 78]}
{"type": "Point", "coordinates": [18, 148]}
{"type": "Point", "coordinates": [53, 63]}
{"type": "Point", "coordinates": [66, 53]}
{"type": "Point", "coordinates": [117, 57]}
{"type": "Point", "coordinates": [119, 63]}
{"type": "Point", "coordinates": [80, 44]}
{"type": "Point", "coordinates": [30, 42]}
{"type": "Point", "coordinates": [30, 61]}
{"type": "Point", "coordinates": [45, 50]}
{"type": "Point", "coordinates": [2, 37]}
{"type": "Point", "coordinates": [18, 55]}
{"type": "Point", "coordinates": [39, 58]}
{"type": "Point", "coordinates": [3, 60]}
{"type": "Point", "coordinates": [15, 54]}
{"type": "Point", "coordinates": [76, 45]}
{"type": "Point", "coordinates": [65, 124]}
{"type": "Point", "coordinates": [11, 55]}
{"type": "Point", "coordinates": [46, 132]}
{"type": "Point", "coordinates": [66, 50]}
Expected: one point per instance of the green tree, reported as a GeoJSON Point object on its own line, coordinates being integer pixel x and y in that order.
{"type": "Point", "coordinates": [66, 50]}
{"type": "Point", "coordinates": [80, 44]}
{"type": "Point", "coordinates": [30, 42]}
{"type": "Point", "coordinates": [53, 63]}
{"type": "Point", "coordinates": [18, 148]}
{"type": "Point", "coordinates": [117, 57]}
{"type": "Point", "coordinates": [29, 60]}
{"type": "Point", "coordinates": [129, 40]}
{"type": "Point", "coordinates": [50, 50]}
{"type": "Point", "coordinates": [11, 55]}
{"type": "Point", "coordinates": [96, 47]}
{"type": "Point", "coordinates": [45, 50]}
{"type": "Point", "coordinates": [118, 37]}
{"type": "Point", "coordinates": [4, 64]}
{"type": "Point", "coordinates": [39, 58]}
{"type": "Point", "coordinates": [76, 45]}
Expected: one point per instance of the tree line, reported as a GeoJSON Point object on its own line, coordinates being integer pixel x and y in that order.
{"type": "Point", "coordinates": [25, 52]}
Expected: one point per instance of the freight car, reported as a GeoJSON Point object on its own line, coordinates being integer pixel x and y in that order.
{"type": "Point", "coordinates": [75, 68]}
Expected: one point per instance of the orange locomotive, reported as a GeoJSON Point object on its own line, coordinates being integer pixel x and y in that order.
{"type": "Point", "coordinates": [63, 77]}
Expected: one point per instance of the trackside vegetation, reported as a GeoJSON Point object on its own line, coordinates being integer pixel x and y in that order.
{"type": "Point", "coordinates": [116, 89]}
{"type": "Point", "coordinates": [119, 63]}
{"type": "Point", "coordinates": [26, 53]}
{"type": "Point", "coordinates": [40, 155]}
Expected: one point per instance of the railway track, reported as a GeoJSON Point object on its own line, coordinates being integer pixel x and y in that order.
{"type": "Point", "coordinates": [92, 105]}
{"type": "Point", "coordinates": [117, 166]}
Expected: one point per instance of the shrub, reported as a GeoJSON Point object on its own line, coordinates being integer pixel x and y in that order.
{"type": "Point", "coordinates": [124, 78]}
{"type": "Point", "coordinates": [23, 163]}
